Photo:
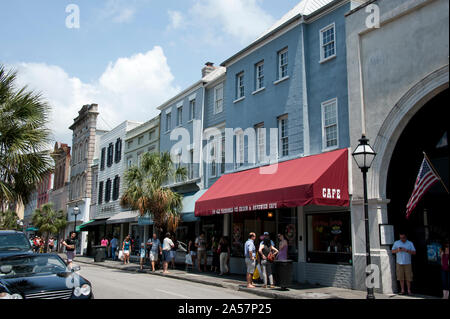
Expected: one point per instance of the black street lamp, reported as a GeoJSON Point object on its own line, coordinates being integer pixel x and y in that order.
{"type": "Point", "coordinates": [76, 211]}
{"type": "Point", "coordinates": [364, 156]}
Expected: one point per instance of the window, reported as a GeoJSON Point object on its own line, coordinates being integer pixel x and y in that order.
{"type": "Point", "coordinates": [222, 160]}
{"type": "Point", "coordinates": [327, 42]}
{"type": "Point", "coordinates": [213, 151]}
{"type": "Point", "coordinates": [283, 136]}
{"type": "Point", "coordinates": [240, 93]}
{"type": "Point", "coordinates": [116, 188]}
{"type": "Point", "coordinates": [168, 122]}
{"type": "Point", "coordinates": [108, 191]}
{"type": "Point", "coordinates": [110, 155]}
{"type": "Point", "coordinates": [100, 193]}
{"type": "Point", "coordinates": [218, 99]}
{"type": "Point", "coordinates": [329, 124]}
{"type": "Point", "coordinates": [118, 155]}
{"type": "Point", "coordinates": [329, 238]}
{"type": "Point", "coordinates": [102, 159]}
{"type": "Point", "coordinates": [129, 162]}
{"type": "Point", "coordinates": [151, 148]}
{"type": "Point", "coordinates": [192, 109]}
{"type": "Point", "coordinates": [239, 149]}
{"type": "Point", "coordinates": [180, 115]}
{"type": "Point", "coordinates": [261, 142]}
{"type": "Point", "coordinates": [259, 75]}
{"type": "Point", "coordinates": [139, 159]}
{"type": "Point", "coordinates": [130, 144]}
{"type": "Point", "coordinates": [151, 135]}
{"type": "Point", "coordinates": [191, 165]}
{"type": "Point", "coordinates": [140, 140]}
{"type": "Point", "coordinates": [283, 64]}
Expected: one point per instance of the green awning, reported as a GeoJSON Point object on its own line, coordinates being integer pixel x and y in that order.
{"type": "Point", "coordinates": [79, 228]}
{"type": "Point", "coordinates": [32, 229]}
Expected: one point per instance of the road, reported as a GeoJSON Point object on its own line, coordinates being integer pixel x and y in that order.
{"type": "Point", "coordinates": [116, 284]}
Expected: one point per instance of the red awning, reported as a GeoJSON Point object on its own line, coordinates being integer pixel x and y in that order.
{"type": "Point", "coordinates": [314, 180]}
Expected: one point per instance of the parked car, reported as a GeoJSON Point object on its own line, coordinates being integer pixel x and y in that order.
{"type": "Point", "coordinates": [40, 276]}
{"type": "Point", "coordinates": [12, 241]}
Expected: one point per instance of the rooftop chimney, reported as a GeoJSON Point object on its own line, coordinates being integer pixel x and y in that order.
{"type": "Point", "coordinates": [208, 68]}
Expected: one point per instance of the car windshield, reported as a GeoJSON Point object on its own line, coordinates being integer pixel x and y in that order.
{"type": "Point", "coordinates": [20, 266]}
{"type": "Point", "coordinates": [12, 242]}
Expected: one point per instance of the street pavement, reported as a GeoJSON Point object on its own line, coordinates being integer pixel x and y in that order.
{"type": "Point", "coordinates": [232, 285]}
{"type": "Point", "coordinates": [117, 284]}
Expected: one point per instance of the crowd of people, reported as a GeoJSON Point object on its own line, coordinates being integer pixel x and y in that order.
{"type": "Point", "coordinates": [161, 254]}
{"type": "Point", "coordinates": [40, 245]}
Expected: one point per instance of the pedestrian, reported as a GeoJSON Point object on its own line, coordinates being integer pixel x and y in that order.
{"type": "Point", "coordinates": [173, 251]}
{"type": "Point", "coordinates": [70, 244]}
{"type": "Point", "coordinates": [155, 248]}
{"type": "Point", "coordinates": [265, 235]}
{"type": "Point", "coordinates": [166, 247]}
{"type": "Point", "coordinates": [192, 250]}
{"type": "Point", "coordinates": [250, 258]}
{"type": "Point", "coordinates": [282, 248]}
{"type": "Point", "coordinates": [36, 244]}
{"type": "Point", "coordinates": [114, 244]}
{"type": "Point", "coordinates": [142, 255]}
{"type": "Point", "coordinates": [41, 245]}
{"type": "Point", "coordinates": [404, 249]}
{"type": "Point", "coordinates": [104, 243]}
{"type": "Point", "coordinates": [445, 270]}
{"type": "Point", "coordinates": [126, 248]}
{"type": "Point", "coordinates": [200, 244]}
{"type": "Point", "coordinates": [267, 253]}
{"type": "Point", "coordinates": [224, 251]}
{"type": "Point", "coordinates": [215, 265]}
{"type": "Point", "coordinates": [51, 244]}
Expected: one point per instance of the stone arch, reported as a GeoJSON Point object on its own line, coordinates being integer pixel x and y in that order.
{"type": "Point", "coordinates": [394, 124]}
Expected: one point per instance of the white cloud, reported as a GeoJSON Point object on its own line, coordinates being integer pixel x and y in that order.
{"type": "Point", "coordinates": [118, 11]}
{"type": "Point", "coordinates": [176, 19]}
{"type": "Point", "coordinates": [243, 20]}
{"type": "Point", "coordinates": [129, 89]}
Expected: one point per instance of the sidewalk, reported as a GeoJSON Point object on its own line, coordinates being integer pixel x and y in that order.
{"type": "Point", "coordinates": [238, 283]}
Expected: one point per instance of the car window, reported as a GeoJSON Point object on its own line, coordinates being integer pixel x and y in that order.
{"type": "Point", "coordinates": [14, 241]}
{"type": "Point", "coordinates": [19, 266]}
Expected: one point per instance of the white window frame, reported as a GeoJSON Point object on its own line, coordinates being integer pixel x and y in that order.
{"type": "Point", "coordinates": [168, 121]}
{"type": "Point", "coordinates": [240, 149]}
{"type": "Point", "coordinates": [240, 86]}
{"type": "Point", "coordinates": [192, 105]}
{"type": "Point", "coordinates": [259, 77]}
{"type": "Point", "coordinates": [213, 160]}
{"type": "Point", "coordinates": [180, 115]}
{"type": "Point", "coordinates": [324, 136]}
{"type": "Point", "coordinates": [280, 65]}
{"type": "Point", "coordinates": [217, 99]}
{"type": "Point", "coordinates": [322, 46]}
{"type": "Point", "coordinates": [280, 135]}
{"type": "Point", "coordinates": [260, 142]}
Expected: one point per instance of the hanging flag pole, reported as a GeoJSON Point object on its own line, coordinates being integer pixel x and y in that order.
{"type": "Point", "coordinates": [426, 178]}
{"type": "Point", "coordinates": [435, 172]}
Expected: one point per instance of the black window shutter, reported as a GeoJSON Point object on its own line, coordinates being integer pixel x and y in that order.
{"type": "Point", "coordinates": [100, 193]}
{"type": "Point", "coordinates": [102, 160]}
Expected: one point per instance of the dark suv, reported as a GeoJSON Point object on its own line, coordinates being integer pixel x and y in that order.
{"type": "Point", "coordinates": [13, 242]}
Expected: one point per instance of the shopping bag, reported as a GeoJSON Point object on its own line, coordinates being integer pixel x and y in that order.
{"type": "Point", "coordinates": [120, 254]}
{"type": "Point", "coordinates": [256, 274]}
{"type": "Point", "coordinates": [188, 259]}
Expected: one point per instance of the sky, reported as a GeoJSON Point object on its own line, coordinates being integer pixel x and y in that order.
{"type": "Point", "coordinates": [127, 56]}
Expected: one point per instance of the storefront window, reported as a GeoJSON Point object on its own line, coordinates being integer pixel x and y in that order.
{"type": "Point", "coordinates": [329, 238]}
{"type": "Point", "coordinates": [277, 221]}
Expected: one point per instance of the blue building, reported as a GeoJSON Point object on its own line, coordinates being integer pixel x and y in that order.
{"type": "Point", "coordinates": [181, 132]}
{"type": "Point", "coordinates": [285, 100]}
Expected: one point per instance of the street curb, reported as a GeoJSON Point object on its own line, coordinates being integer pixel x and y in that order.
{"type": "Point", "coordinates": [267, 294]}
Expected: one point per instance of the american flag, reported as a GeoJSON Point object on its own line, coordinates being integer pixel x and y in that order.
{"type": "Point", "coordinates": [424, 181]}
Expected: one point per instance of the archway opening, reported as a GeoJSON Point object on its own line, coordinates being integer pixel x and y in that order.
{"type": "Point", "coordinates": [429, 223]}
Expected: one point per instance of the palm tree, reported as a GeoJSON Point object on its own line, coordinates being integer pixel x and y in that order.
{"type": "Point", "coordinates": [9, 220]}
{"type": "Point", "coordinates": [24, 139]}
{"type": "Point", "coordinates": [147, 191]}
{"type": "Point", "coordinates": [49, 221]}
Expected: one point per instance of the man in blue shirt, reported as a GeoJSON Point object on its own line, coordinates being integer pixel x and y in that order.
{"type": "Point", "coordinates": [404, 249]}
{"type": "Point", "coordinates": [155, 250]}
{"type": "Point", "coordinates": [250, 258]}
{"type": "Point", "coordinates": [114, 243]}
